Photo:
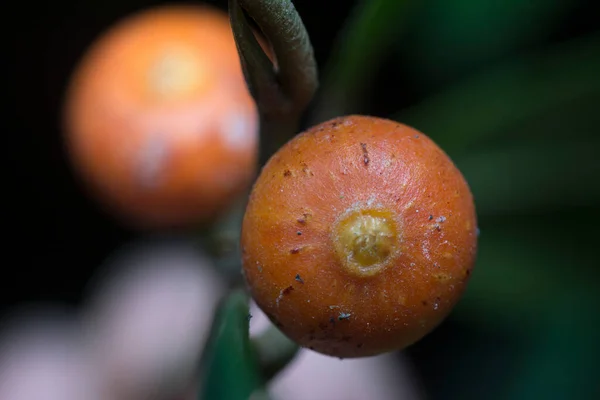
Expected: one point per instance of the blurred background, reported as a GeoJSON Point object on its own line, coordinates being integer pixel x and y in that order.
{"type": "Point", "coordinates": [510, 89]}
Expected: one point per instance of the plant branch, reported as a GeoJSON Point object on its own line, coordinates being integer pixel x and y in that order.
{"type": "Point", "coordinates": [282, 90]}
{"type": "Point", "coordinates": [274, 350]}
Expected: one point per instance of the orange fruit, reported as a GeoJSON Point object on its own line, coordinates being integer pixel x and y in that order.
{"type": "Point", "coordinates": [359, 237]}
{"type": "Point", "coordinates": [159, 122]}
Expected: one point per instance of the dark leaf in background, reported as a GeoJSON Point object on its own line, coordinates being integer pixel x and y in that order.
{"type": "Point", "coordinates": [450, 39]}
{"type": "Point", "coordinates": [500, 101]}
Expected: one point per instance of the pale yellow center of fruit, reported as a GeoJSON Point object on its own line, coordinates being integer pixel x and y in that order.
{"type": "Point", "coordinates": [365, 240]}
{"type": "Point", "coordinates": [177, 73]}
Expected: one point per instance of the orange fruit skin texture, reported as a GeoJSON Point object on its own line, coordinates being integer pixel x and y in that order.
{"type": "Point", "coordinates": [288, 240]}
{"type": "Point", "coordinates": [159, 122]}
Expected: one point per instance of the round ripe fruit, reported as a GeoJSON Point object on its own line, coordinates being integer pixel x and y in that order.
{"type": "Point", "coordinates": [359, 237]}
{"type": "Point", "coordinates": [159, 122]}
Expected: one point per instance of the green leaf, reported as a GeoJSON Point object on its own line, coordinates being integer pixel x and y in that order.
{"type": "Point", "coordinates": [369, 32]}
{"type": "Point", "coordinates": [520, 275]}
{"type": "Point", "coordinates": [449, 39]}
{"type": "Point", "coordinates": [561, 359]}
{"type": "Point", "coordinates": [494, 103]}
{"type": "Point", "coordinates": [533, 176]}
{"type": "Point", "coordinates": [230, 365]}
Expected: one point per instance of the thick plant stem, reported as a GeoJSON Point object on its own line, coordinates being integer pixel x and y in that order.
{"type": "Point", "coordinates": [296, 69]}
{"type": "Point", "coordinates": [274, 350]}
{"type": "Point", "coordinates": [282, 90]}
{"type": "Point", "coordinates": [277, 132]}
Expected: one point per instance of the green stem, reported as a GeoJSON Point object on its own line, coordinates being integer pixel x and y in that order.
{"type": "Point", "coordinates": [221, 241]}
{"type": "Point", "coordinates": [296, 70]}
{"type": "Point", "coordinates": [275, 351]}
{"type": "Point", "coordinates": [276, 131]}
{"type": "Point", "coordinates": [282, 91]}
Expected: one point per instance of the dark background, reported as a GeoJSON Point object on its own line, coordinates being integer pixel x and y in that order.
{"type": "Point", "coordinates": [55, 236]}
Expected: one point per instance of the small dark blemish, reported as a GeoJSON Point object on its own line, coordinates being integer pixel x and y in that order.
{"type": "Point", "coordinates": [249, 316]}
{"type": "Point", "coordinates": [299, 279]}
{"type": "Point", "coordinates": [436, 265]}
{"type": "Point", "coordinates": [332, 320]}
{"type": "Point", "coordinates": [441, 219]}
{"type": "Point", "coordinates": [287, 172]}
{"type": "Point", "coordinates": [287, 290]}
{"type": "Point", "coordinates": [430, 217]}
{"type": "Point", "coordinates": [295, 250]}
{"type": "Point", "coordinates": [468, 272]}
{"type": "Point", "coordinates": [311, 338]}
{"type": "Point", "coordinates": [359, 345]}
{"type": "Point", "coordinates": [437, 227]}
{"type": "Point", "coordinates": [365, 153]}
{"type": "Point", "coordinates": [306, 170]}
{"type": "Point", "coordinates": [416, 136]}
{"type": "Point", "coordinates": [335, 123]}
{"type": "Point", "coordinates": [298, 233]}
{"type": "Point", "coordinates": [311, 347]}
{"type": "Point", "coordinates": [424, 303]}
{"type": "Point", "coordinates": [344, 316]}
{"type": "Point", "coordinates": [346, 338]}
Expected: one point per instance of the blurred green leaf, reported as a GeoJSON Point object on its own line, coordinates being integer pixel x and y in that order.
{"type": "Point", "coordinates": [370, 30]}
{"type": "Point", "coordinates": [230, 365]}
{"type": "Point", "coordinates": [521, 273]}
{"type": "Point", "coordinates": [448, 39]}
{"type": "Point", "coordinates": [497, 101]}
{"type": "Point", "coordinates": [533, 176]}
{"type": "Point", "coordinates": [561, 359]}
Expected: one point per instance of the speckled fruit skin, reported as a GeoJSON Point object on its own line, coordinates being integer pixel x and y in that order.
{"type": "Point", "coordinates": [290, 237]}
{"type": "Point", "coordinates": [159, 123]}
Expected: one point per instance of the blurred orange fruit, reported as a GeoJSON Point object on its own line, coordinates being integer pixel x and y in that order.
{"type": "Point", "coordinates": [159, 122]}
{"type": "Point", "coordinates": [359, 237]}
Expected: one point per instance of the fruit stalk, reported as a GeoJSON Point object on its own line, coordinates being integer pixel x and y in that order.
{"type": "Point", "coordinates": [283, 88]}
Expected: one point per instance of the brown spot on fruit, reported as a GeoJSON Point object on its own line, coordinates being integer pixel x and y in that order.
{"type": "Point", "coordinates": [364, 246]}
{"type": "Point", "coordinates": [365, 153]}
